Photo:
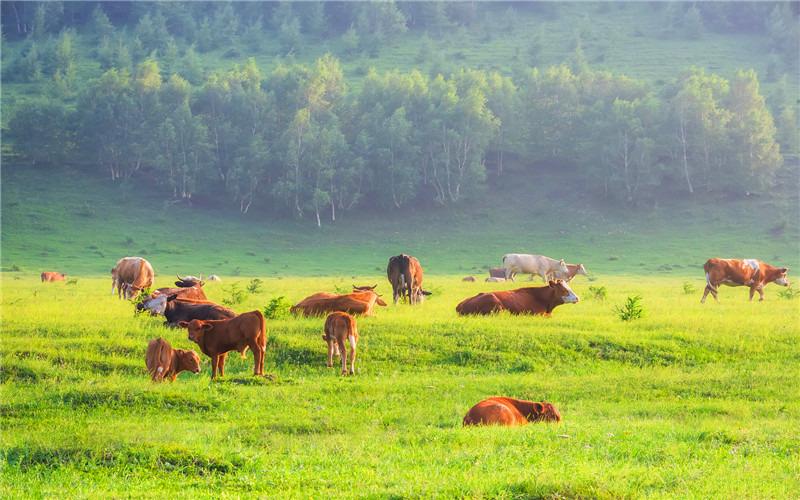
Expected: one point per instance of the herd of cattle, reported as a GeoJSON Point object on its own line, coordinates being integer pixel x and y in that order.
{"type": "Point", "coordinates": [217, 330]}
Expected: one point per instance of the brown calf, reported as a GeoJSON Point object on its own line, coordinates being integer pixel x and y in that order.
{"type": "Point", "coordinates": [50, 276]}
{"type": "Point", "coordinates": [510, 411]}
{"type": "Point", "coordinates": [340, 326]}
{"type": "Point", "coordinates": [164, 362]}
{"type": "Point", "coordinates": [218, 337]}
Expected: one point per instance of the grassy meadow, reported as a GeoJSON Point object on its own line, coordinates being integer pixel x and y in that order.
{"type": "Point", "coordinates": [690, 401]}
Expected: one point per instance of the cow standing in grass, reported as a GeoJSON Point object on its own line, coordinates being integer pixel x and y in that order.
{"type": "Point", "coordinates": [218, 337]}
{"type": "Point", "coordinates": [540, 265]}
{"type": "Point", "coordinates": [405, 275]}
{"type": "Point", "coordinates": [340, 327]}
{"type": "Point", "coordinates": [752, 273]}
{"type": "Point", "coordinates": [130, 276]}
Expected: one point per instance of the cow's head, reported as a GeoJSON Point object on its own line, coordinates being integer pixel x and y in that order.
{"type": "Point", "coordinates": [197, 329]}
{"type": "Point", "coordinates": [364, 288]}
{"type": "Point", "coordinates": [563, 290]}
{"type": "Point", "coordinates": [187, 360]}
{"type": "Point", "coordinates": [156, 304]}
{"type": "Point", "coordinates": [544, 412]}
{"type": "Point", "coordinates": [581, 270]}
{"type": "Point", "coordinates": [189, 281]}
{"type": "Point", "coordinates": [782, 279]}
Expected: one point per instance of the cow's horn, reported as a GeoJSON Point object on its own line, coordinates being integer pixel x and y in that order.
{"type": "Point", "coordinates": [179, 277]}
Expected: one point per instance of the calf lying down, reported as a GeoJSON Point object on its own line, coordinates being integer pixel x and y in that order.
{"type": "Point", "coordinates": [510, 412]}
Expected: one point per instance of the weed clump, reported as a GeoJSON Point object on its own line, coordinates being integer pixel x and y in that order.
{"type": "Point", "coordinates": [631, 309]}
{"type": "Point", "coordinates": [789, 294]}
{"type": "Point", "coordinates": [688, 288]}
{"type": "Point", "coordinates": [278, 308]}
{"type": "Point", "coordinates": [598, 293]}
{"type": "Point", "coordinates": [254, 286]}
{"type": "Point", "coordinates": [235, 295]}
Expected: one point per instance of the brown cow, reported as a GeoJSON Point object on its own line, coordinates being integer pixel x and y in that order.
{"type": "Point", "coordinates": [510, 411]}
{"type": "Point", "coordinates": [218, 337]}
{"type": "Point", "coordinates": [130, 276]}
{"type": "Point", "coordinates": [405, 275]}
{"type": "Point", "coordinates": [51, 276]}
{"type": "Point", "coordinates": [532, 300]}
{"type": "Point", "coordinates": [741, 272]}
{"type": "Point", "coordinates": [164, 362]}
{"type": "Point", "coordinates": [353, 303]}
{"type": "Point", "coordinates": [340, 326]}
{"type": "Point", "coordinates": [470, 279]}
{"type": "Point", "coordinates": [572, 271]}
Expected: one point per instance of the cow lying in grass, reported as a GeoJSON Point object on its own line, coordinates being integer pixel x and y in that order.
{"type": "Point", "coordinates": [353, 303]}
{"type": "Point", "coordinates": [218, 337]}
{"type": "Point", "coordinates": [164, 362]}
{"type": "Point", "coordinates": [510, 412]}
{"type": "Point", "coordinates": [175, 309]}
{"type": "Point", "coordinates": [533, 300]}
{"type": "Point", "coordinates": [341, 327]}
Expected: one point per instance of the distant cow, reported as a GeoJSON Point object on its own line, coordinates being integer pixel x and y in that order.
{"type": "Point", "coordinates": [189, 281]}
{"type": "Point", "coordinates": [164, 362]}
{"type": "Point", "coordinates": [514, 263]}
{"type": "Point", "coordinates": [341, 327]}
{"type": "Point", "coordinates": [213, 277]}
{"type": "Point", "coordinates": [532, 300]}
{"type": "Point", "coordinates": [510, 411]}
{"type": "Point", "coordinates": [175, 309]}
{"type": "Point", "coordinates": [405, 275]}
{"type": "Point", "coordinates": [572, 271]}
{"type": "Point", "coordinates": [188, 293]}
{"type": "Point", "coordinates": [741, 272]}
{"type": "Point", "coordinates": [493, 279]}
{"type": "Point", "coordinates": [353, 303]}
{"type": "Point", "coordinates": [130, 276]}
{"type": "Point", "coordinates": [218, 337]}
{"type": "Point", "coordinates": [468, 279]}
{"type": "Point", "coordinates": [51, 276]}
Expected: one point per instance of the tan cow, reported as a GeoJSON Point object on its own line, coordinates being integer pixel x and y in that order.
{"type": "Point", "coordinates": [324, 302]}
{"type": "Point", "coordinates": [164, 362]}
{"type": "Point", "coordinates": [130, 276]}
{"type": "Point", "coordinates": [510, 412]}
{"type": "Point", "coordinates": [572, 271]}
{"type": "Point", "coordinates": [341, 327]}
{"type": "Point", "coordinates": [50, 276]}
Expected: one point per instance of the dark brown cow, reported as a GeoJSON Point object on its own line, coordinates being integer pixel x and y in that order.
{"type": "Point", "coordinates": [218, 337]}
{"type": "Point", "coordinates": [164, 362]}
{"type": "Point", "coordinates": [510, 411]}
{"type": "Point", "coordinates": [405, 275]}
{"type": "Point", "coordinates": [341, 327]}
{"type": "Point", "coordinates": [51, 276]}
{"type": "Point", "coordinates": [176, 309]}
{"type": "Point", "coordinates": [324, 303]}
{"type": "Point", "coordinates": [532, 300]}
{"type": "Point", "coordinates": [753, 273]}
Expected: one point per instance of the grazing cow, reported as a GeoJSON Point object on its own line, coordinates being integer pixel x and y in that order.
{"type": "Point", "coordinates": [51, 276]}
{"type": "Point", "coordinates": [353, 303]}
{"type": "Point", "coordinates": [176, 309]}
{"type": "Point", "coordinates": [497, 272]}
{"type": "Point", "coordinates": [190, 293]}
{"type": "Point", "coordinates": [741, 272]}
{"type": "Point", "coordinates": [572, 271]}
{"type": "Point", "coordinates": [340, 326]}
{"type": "Point", "coordinates": [510, 412]}
{"type": "Point", "coordinates": [468, 279]}
{"type": "Point", "coordinates": [218, 337]}
{"type": "Point", "coordinates": [532, 300]}
{"type": "Point", "coordinates": [514, 263]}
{"type": "Point", "coordinates": [494, 279]}
{"type": "Point", "coordinates": [405, 275]}
{"type": "Point", "coordinates": [131, 275]}
{"type": "Point", "coordinates": [189, 281]}
{"type": "Point", "coordinates": [213, 277]}
{"type": "Point", "coordinates": [164, 362]}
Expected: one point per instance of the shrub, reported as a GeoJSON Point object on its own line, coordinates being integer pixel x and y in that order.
{"type": "Point", "coordinates": [632, 309]}
{"type": "Point", "coordinates": [789, 293]}
{"type": "Point", "coordinates": [598, 292]}
{"type": "Point", "coordinates": [254, 286]}
{"type": "Point", "coordinates": [688, 288]}
{"type": "Point", "coordinates": [235, 295]}
{"type": "Point", "coordinates": [72, 281]}
{"type": "Point", "coordinates": [278, 308]}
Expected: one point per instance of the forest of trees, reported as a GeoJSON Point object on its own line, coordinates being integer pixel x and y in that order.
{"type": "Point", "coordinates": [302, 141]}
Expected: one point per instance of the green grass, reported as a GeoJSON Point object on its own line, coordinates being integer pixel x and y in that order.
{"type": "Point", "coordinates": [690, 401]}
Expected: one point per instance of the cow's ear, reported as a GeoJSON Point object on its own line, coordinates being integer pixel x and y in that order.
{"type": "Point", "coordinates": [551, 283]}
{"type": "Point", "coordinates": [206, 326]}
{"type": "Point", "coordinates": [183, 324]}
{"type": "Point", "coordinates": [538, 407]}
{"type": "Point", "coordinates": [172, 297]}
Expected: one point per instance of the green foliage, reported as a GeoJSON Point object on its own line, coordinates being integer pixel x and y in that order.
{"type": "Point", "coordinates": [278, 308]}
{"type": "Point", "coordinates": [631, 309]}
{"type": "Point", "coordinates": [235, 295]}
{"type": "Point", "coordinates": [598, 292]}
{"type": "Point", "coordinates": [254, 286]}
{"type": "Point", "coordinates": [789, 293]}
{"type": "Point", "coordinates": [688, 288]}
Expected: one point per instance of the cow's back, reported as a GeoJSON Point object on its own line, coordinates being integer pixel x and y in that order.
{"type": "Point", "coordinates": [483, 303]}
{"type": "Point", "coordinates": [494, 411]}
{"type": "Point", "coordinates": [340, 325]}
{"type": "Point", "coordinates": [158, 358]}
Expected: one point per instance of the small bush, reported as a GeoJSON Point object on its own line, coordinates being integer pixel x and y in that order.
{"type": "Point", "coordinates": [789, 294]}
{"type": "Point", "coordinates": [235, 295]}
{"type": "Point", "coordinates": [598, 293]}
{"type": "Point", "coordinates": [72, 281]}
{"type": "Point", "coordinates": [254, 286]}
{"type": "Point", "coordinates": [15, 268]}
{"type": "Point", "coordinates": [278, 308]}
{"type": "Point", "coordinates": [632, 309]}
{"type": "Point", "coordinates": [688, 288]}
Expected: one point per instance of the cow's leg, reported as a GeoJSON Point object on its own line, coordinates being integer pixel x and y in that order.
{"type": "Point", "coordinates": [352, 340]}
{"type": "Point", "coordinates": [760, 293]}
{"type": "Point", "coordinates": [343, 352]}
{"type": "Point", "coordinates": [330, 353]}
{"type": "Point", "coordinates": [214, 363]}
{"type": "Point", "coordinates": [221, 363]}
{"type": "Point", "coordinates": [752, 292]}
{"type": "Point", "coordinates": [705, 294]}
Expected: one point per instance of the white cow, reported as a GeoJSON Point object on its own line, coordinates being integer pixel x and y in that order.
{"type": "Point", "coordinates": [524, 263]}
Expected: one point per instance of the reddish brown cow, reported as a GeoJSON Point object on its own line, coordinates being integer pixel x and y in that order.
{"type": "Point", "coordinates": [531, 300]}
{"type": "Point", "coordinates": [218, 337]}
{"type": "Point", "coordinates": [164, 362]}
{"type": "Point", "coordinates": [405, 275]}
{"type": "Point", "coordinates": [341, 327]}
{"type": "Point", "coordinates": [741, 272]}
{"type": "Point", "coordinates": [572, 271]}
{"type": "Point", "coordinates": [353, 303]}
{"type": "Point", "coordinates": [51, 276]}
{"type": "Point", "coordinates": [510, 411]}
